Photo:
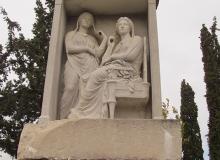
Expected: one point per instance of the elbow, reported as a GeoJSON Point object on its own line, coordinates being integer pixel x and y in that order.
{"type": "Point", "coordinates": [70, 51]}
{"type": "Point", "coordinates": [67, 50]}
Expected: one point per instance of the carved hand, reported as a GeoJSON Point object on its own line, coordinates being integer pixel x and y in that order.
{"type": "Point", "coordinates": [106, 61]}
{"type": "Point", "coordinates": [102, 35]}
{"type": "Point", "coordinates": [111, 41]}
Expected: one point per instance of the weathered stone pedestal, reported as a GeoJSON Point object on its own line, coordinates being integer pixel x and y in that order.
{"type": "Point", "coordinates": [101, 139]}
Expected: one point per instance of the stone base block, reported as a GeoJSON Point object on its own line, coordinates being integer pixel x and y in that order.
{"type": "Point", "coordinates": [101, 139]}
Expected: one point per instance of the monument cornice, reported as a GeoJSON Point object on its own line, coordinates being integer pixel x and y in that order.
{"type": "Point", "coordinates": [158, 2]}
{"type": "Point", "coordinates": [61, 2]}
{"type": "Point", "coordinates": [99, 7]}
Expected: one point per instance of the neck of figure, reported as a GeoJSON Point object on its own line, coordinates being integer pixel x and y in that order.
{"type": "Point", "coordinates": [83, 30]}
{"type": "Point", "coordinates": [125, 37]}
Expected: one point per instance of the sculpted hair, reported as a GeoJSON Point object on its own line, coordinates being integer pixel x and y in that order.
{"type": "Point", "coordinates": [131, 25]}
{"type": "Point", "coordinates": [86, 14]}
{"type": "Point", "coordinates": [92, 29]}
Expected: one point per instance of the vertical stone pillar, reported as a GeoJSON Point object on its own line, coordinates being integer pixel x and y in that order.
{"type": "Point", "coordinates": [51, 86]}
{"type": "Point", "coordinates": [154, 60]}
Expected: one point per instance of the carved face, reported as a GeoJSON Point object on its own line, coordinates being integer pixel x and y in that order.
{"type": "Point", "coordinates": [86, 20]}
{"type": "Point", "coordinates": [123, 27]}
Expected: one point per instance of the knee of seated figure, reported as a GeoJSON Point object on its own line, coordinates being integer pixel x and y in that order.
{"type": "Point", "coordinates": [93, 75]}
{"type": "Point", "coordinates": [97, 74]}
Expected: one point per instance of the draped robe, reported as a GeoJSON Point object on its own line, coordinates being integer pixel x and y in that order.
{"type": "Point", "coordinates": [94, 96]}
{"type": "Point", "coordinates": [77, 64]}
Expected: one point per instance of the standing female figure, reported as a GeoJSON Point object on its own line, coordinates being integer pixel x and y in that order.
{"type": "Point", "coordinates": [122, 60]}
{"type": "Point", "coordinates": [83, 54]}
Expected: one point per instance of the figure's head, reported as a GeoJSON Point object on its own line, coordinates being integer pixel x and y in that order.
{"type": "Point", "coordinates": [124, 26]}
{"type": "Point", "coordinates": [86, 20]}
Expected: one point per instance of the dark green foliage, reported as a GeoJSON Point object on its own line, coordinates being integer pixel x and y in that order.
{"type": "Point", "coordinates": [191, 137]}
{"type": "Point", "coordinates": [25, 59]}
{"type": "Point", "coordinates": [211, 59]}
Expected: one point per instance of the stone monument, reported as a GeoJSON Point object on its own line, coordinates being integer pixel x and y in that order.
{"type": "Point", "coordinates": [102, 95]}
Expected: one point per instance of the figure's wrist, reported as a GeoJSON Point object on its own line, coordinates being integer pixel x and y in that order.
{"type": "Point", "coordinates": [106, 60]}
{"type": "Point", "coordinates": [105, 39]}
{"type": "Point", "coordinates": [92, 51]}
{"type": "Point", "coordinates": [102, 47]}
{"type": "Point", "coordinates": [114, 57]}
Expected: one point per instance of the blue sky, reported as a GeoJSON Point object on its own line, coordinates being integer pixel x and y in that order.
{"type": "Point", "coordinates": [179, 24]}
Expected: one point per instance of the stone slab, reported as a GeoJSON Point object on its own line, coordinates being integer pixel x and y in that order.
{"type": "Point", "coordinates": [103, 7]}
{"type": "Point", "coordinates": [101, 139]}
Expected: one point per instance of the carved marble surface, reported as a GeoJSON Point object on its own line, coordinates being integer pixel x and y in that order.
{"type": "Point", "coordinates": [100, 139]}
{"type": "Point", "coordinates": [122, 61]}
{"type": "Point", "coordinates": [84, 47]}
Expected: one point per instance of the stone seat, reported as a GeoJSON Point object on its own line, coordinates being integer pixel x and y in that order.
{"type": "Point", "coordinates": [132, 91]}
{"type": "Point", "coordinates": [120, 91]}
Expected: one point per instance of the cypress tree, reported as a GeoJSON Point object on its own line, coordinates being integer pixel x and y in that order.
{"type": "Point", "coordinates": [21, 96]}
{"type": "Point", "coordinates": [191, 137]}
{"type": "Point", "coordinates": [211, 62]}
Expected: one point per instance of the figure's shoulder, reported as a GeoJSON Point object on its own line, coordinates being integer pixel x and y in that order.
{"type": "Point", "coordinates": [70, 33]}
{"type": "Point", "coordinates": [138, 38]}
{"type": "Point", "coordinates": [91, 37]}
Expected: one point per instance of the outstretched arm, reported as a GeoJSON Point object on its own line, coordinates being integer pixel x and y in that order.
{"type": "Point", "coordinates": [101, 49]}
{"type": "Point", "coordinates": [108, 51]}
